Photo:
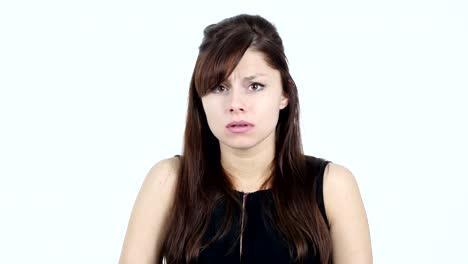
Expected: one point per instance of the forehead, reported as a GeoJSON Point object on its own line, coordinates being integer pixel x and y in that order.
{"type": "Point", "coordinates": [252, 63]}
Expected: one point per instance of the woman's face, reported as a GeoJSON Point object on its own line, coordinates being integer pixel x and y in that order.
{"type": "Point", "coordinates": [252, 93]}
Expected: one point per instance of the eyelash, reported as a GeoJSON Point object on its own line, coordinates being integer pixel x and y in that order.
{"type": "Point", "coordinates": [215, 90]}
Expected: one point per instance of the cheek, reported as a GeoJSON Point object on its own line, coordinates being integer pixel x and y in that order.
{"type": "Point", "coordinates": [213, 116]}
{"type": "Point", "coordinates": [269, 113]}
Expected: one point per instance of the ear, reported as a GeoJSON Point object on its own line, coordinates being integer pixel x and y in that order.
{"type": "Point", "coordinates": [284, 101]}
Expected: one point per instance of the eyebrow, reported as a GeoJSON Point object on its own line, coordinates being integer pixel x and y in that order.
{"type": "Point", "coordinates": [249, 78]}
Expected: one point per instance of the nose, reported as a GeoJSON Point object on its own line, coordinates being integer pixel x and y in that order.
{"type": "Point", "coordinates": [237, 101]}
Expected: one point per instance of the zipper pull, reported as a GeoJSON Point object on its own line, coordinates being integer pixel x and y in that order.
{"type": "Point", "coordinates": [244, 198]}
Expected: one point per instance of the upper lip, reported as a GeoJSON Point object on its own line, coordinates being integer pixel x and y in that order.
{"type": "Point", "coordinates": [239, 123]}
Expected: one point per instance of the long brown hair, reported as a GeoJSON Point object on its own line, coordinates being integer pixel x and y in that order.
{"type": "Point", "coordinates": [202, 181]}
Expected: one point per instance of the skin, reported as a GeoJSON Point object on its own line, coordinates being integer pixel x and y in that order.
{"type": "Point", "coordinates": [247, 158]}
{"type": "Point", "coordinates": [347, 216]}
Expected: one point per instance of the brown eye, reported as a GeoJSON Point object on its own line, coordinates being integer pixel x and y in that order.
{"type": "Point", "coordinates": [257, 86]}
{"type": "Point", "coordinates": [219, 89]}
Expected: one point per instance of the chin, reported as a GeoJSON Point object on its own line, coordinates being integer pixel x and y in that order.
{"type": "Point", "coordinates": [239, 144]}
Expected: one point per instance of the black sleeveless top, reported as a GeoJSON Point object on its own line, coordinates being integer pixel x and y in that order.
{"type": "Point", "coordinates": [261, 243]}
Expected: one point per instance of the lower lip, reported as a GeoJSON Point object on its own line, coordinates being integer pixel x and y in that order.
{"type": "Point", "coordinates": [240, 129]}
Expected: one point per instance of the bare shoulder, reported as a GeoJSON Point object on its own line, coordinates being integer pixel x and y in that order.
{"type": "Point", "coordinates": [338, 179]}
{"type": "Point", "coordinates": [161, 179]}
{"type": "Point", "coordinates": [146, 228]}
{"type": "Point", "coordinates": [347, 216]}
{"type": "Point", "coordinates": [164, 172]}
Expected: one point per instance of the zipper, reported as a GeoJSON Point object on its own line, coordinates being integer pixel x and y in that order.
{"type": "Point", "coordinates": [244, 198]}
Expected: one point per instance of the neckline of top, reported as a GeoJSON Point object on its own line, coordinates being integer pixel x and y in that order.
{"type": "Point", "coordinates": [254, 192]}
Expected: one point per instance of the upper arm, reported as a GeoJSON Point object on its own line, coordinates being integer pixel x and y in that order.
{"type": "Point", "coordinates": [146, 227]}
{"type": "Point", "coordinates": [347, 216]}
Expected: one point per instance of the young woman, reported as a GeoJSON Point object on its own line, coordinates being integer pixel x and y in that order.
{"type": "Point", "coordinates": [243, 191]}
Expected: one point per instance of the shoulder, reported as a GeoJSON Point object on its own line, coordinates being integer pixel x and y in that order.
{"type": "Point", "coordinates": [145, 232]}
{"type": "Point", "coordinates": [339, 184]}
{"type": "Point", "coordinates": [347, 216]}
{"type": "Point", "coordinates": [162, 177]}
{"type": "Point", "coordinates": [164, 171]}
{"type": "Point", "coordinates": [338, 176]}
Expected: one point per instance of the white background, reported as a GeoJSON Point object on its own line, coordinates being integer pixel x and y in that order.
{"type": "Point", "coordinates": [93, 93]}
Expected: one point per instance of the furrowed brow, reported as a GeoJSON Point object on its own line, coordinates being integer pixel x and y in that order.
{"type": "Point", "coordinates": [249, 78]}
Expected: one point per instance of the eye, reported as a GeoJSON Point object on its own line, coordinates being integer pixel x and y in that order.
{"type": "Point", "coordinates": [218, 89]}
{"type": "Point", "coordinates": [257, 86]}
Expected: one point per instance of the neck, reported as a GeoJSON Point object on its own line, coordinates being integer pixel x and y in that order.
{"type": "Point", "coordinates": [248, 169]}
